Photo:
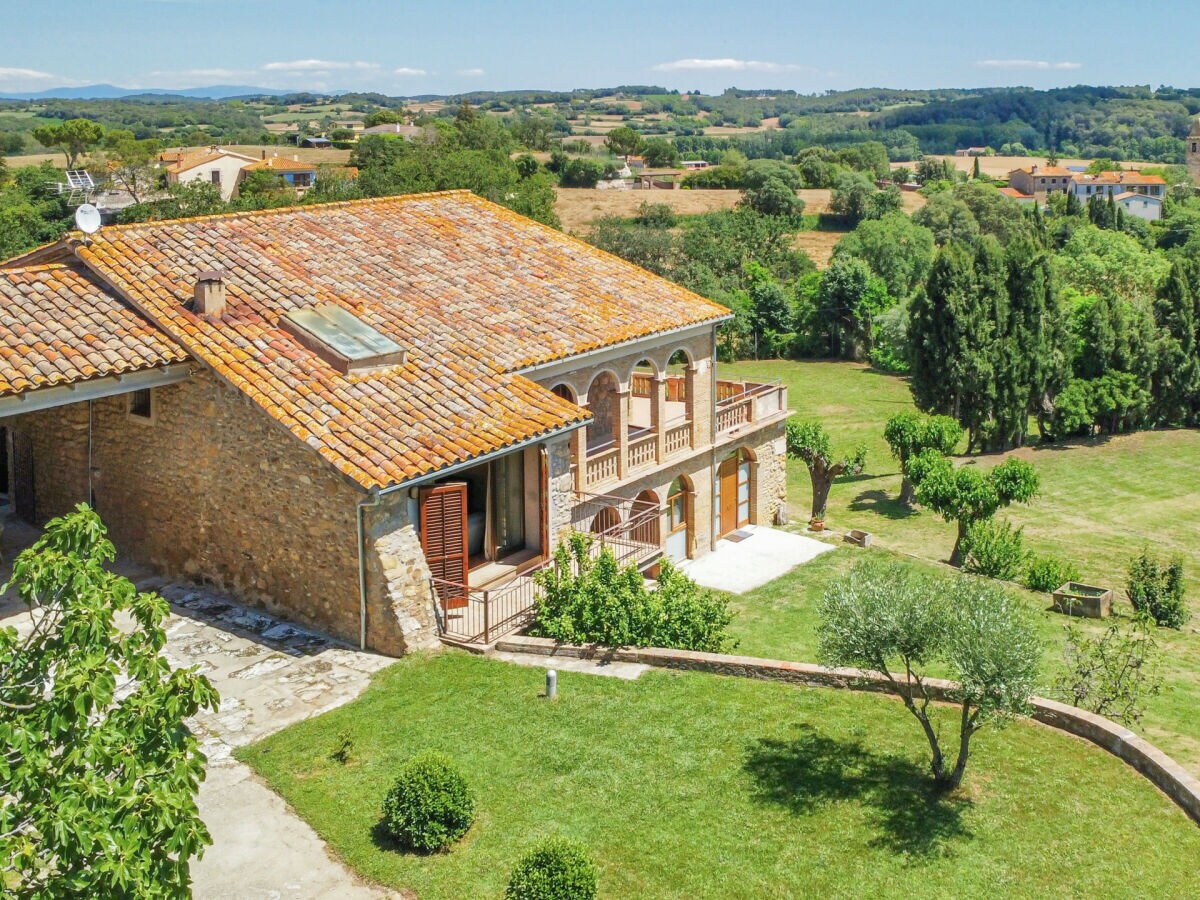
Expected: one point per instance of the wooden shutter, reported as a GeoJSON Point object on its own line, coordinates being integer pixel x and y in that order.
{"type": "Point", "coordinates": [444, 540]}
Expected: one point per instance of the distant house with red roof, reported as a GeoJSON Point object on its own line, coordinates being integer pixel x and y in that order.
{"type": "Point", "coordinates": [376, 417]}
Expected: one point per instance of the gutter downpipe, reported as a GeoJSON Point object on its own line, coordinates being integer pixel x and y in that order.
{"type": "Point", "coordinates": [373, 499]}
{"type": "Point", "coordinates": [714, 526]}
{"type": "Point", "coordinates": [369, 502]}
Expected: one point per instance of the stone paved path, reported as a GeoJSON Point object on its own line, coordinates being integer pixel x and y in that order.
{"type": "Point", "coordinates": [270, 674]}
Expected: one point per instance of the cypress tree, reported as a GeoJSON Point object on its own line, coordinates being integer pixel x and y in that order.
{"type": "Point", "coordinates": [1176, 390]}
{"type": "Point", "coordinates": [950, 334]}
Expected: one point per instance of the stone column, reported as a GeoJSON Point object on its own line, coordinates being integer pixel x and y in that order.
{"type": "Point", "coordinates": [691, 385]}
{"type": "Point", "coordinates": [621, 427]}
{"type": "Point", "coordinates": [658, 416]}
{"type": "Point", "coordinates": [579, 457]}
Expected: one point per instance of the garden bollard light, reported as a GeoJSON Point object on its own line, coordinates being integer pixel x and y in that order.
{"type": "Point", "coordinates": [551, 684]}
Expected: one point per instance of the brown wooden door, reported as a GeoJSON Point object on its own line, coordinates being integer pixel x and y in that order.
{"type": "Point", "coordinates": [23, 498]}
{"type": "Point", "coordinates": [728, 476]}
{"type": "Point", "coordinates": [444, 540]}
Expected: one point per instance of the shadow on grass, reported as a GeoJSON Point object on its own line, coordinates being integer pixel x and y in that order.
{"type": "Point", "coordinates": [878, 502]}
{"type": "Point", "coordinates": [812, 770]}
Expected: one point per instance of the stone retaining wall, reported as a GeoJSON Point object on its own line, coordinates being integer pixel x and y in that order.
{"type": "Point", "coordinates": [1170, 777]}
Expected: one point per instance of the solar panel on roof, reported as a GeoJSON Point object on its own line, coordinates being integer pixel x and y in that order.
{"type": "Point", "coordinates": [354, 343]}
{"type": "Point", "coordinates": [80, 179]}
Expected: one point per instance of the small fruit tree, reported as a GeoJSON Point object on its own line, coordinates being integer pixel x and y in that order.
{"type": "Point", "coordinates": [810, 442]}
{"type": "Point", "coordinates": [967, 494]}
{"type": "Point", "coordinates": [909, 433]}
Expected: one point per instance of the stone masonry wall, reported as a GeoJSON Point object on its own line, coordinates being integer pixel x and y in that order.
{"type": "Point", "coordinates": [400, 602]}
{"type": "Point", "coordinates": [59, 440]}
{"type": "Point", "coordinates": [215, 490]}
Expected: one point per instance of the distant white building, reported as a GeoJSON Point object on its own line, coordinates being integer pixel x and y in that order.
{"type": "Point", "coordinates": [1126, 188]}
{"type": "Point", "coordinates": [1143, 206]}
{"type": "Point", "coordinates": [219, 167]}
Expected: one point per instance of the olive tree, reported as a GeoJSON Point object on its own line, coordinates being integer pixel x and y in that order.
{"type": "Point", "coordinates": [810, 442]}
{"type": "Point", "coordinates": [967, 494]}
{"type": "Point", "coordinates": [98, 772]}
{"type": "Point", "coordinates": [891, 619]}
{"type": "Point", "coordinates": [909, 433]}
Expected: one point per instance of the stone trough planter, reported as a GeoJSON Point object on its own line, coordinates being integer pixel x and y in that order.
{"type": "Point", "coordinates": [1075, 599]}
{"type": "Point", "coordinates": [860, 538]}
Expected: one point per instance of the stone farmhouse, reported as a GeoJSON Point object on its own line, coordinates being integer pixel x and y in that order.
{"type": "Point", "coordinates": [376, 417]}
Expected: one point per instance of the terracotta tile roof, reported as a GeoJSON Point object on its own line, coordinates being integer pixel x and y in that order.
{"type": "Point", "coordinates": [471, 290]}
{"type": "Point", "coordinates": [279, 164]}
{"type": "Point", "coordinates": [1136, 195]}
{"type": "Point", "coordinates": [1045, 171]}
{"type": "Point", "coordinates": [60, 326]}
{"type": "Point", "coordinates": [1118, 178]}
{"type": "Point", "coordinates": [1013, 192]}
{"type": "Point", "coordinates": [200, 158]}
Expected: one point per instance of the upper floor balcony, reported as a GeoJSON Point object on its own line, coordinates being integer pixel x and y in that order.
{"type": "Point", "coordinates": [660, 418]}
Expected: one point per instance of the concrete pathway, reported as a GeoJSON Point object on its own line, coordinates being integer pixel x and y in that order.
{"type": "Point", "coordinates": [626, 671]}
{"type": "Point", "coordinates": [742, 566]}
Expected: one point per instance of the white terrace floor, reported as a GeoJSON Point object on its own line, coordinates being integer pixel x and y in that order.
{"type": "Point", "coordinates": [739, 566]}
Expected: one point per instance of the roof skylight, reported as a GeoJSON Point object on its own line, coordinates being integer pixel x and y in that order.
{"type": "Point", "coordinates": [341, 338]}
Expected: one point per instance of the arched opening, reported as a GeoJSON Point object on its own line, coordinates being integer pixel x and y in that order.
{"type": "Point", "coordinates": [602, 401]}
{"type": "Point", "coordinates": [678, 516]}
{"type": "Point", "coordinates": [679, 389]}
{"type": "Point", "coordinates": [643, 391]}
{"type": "Point", "coordinates": [564, 391]}
{"type": "Point", "coordinates": [646, 513]}
{"type": "Point", "coordinates": [605, 520]}
{"type": "Point", "coordinates": [735, 488]}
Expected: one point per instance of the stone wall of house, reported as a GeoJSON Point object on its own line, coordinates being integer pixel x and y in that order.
{"type": "Point", "coordinates": [212, 489]}
{"type": "Point", "coordinates": [561, 487]}
{"type": "Point", "coordinates": [58, 439]}
{"type": "Point", "coordinates": [400, 601]}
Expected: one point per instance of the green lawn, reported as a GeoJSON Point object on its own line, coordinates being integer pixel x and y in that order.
{"type": "Point", "coordinates": [1100, 501]}
{"type": "Point", "coordinates": [692, 785]}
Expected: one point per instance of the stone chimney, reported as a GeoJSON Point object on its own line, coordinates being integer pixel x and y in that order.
{"type": "Point", "coordinates": [210, 294]}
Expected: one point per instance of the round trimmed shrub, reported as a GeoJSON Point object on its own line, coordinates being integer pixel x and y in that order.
{"type": "Point", "coordinates": [553, 869]}
{"type": "Point", "coordinates": [430, 806]}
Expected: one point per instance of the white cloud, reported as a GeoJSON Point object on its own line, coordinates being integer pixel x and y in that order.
{"type": "Point", "coordinates": [470, 73]}
{"type": "Point", "coordinates": [1039, 64]}
{"type": "Point", "coordinates": [725, 64]}
{"type": "Point", "coordinates": [10, 74]}
{"type": "Point", "coordinates": [408, 70]}
{"type": "Point", "coordinates": [316, 65]}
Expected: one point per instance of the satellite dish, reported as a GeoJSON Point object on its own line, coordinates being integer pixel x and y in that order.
{"type": "Point", "coordinates": [87, 217]}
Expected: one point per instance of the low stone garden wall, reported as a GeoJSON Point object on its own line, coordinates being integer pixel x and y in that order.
{"type": "Point", "coordinates": [1170, 777]}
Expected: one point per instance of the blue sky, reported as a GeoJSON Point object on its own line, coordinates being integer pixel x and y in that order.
{"type": "Point", "coordinates": [447, 46]}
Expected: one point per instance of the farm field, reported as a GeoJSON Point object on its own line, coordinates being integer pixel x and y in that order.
{"type": "Point", "coordinates": [579, 207]}
{"type": "Point", "coordinates": [687, 785]}
{"type": "Point", "coordinates": [1148, 482]}
{"type": "Point", "coordinates": [1000, 166]}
